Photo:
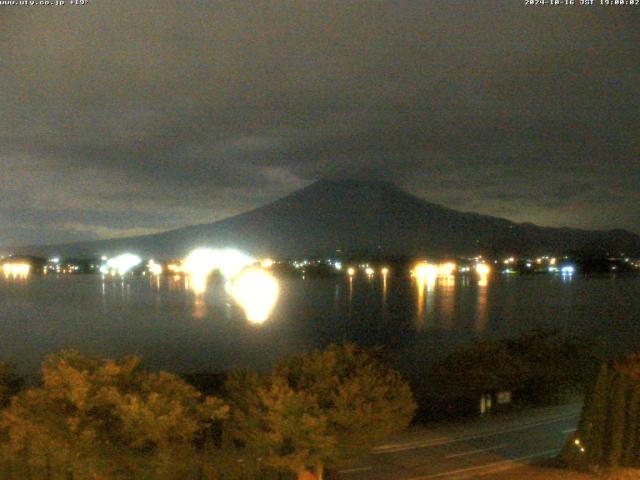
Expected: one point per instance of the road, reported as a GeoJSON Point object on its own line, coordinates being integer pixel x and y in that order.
{"type": "Point", "coordinates": [474, 449]}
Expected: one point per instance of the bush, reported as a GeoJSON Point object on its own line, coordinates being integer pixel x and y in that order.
{"type": "Point", "coordinates": [105, 417]}
{"type": "Point", "coordinates": [316, 409]}
{"type": "Point", "coordinates": [10, 383]}
{"type": "Point", "coordinates": [537, 367]}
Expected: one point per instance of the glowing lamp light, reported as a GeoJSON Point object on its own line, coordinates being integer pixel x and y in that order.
{"type": "Point", "coordinates": [384, 271]}
{"type": "Point", "coordinates": [266, 263]}
{"type": "Point", "coordinates": [483, 269]}
{"type": "Point", "coordinates": [446, 268]}
{"type": "Point", "coordinates": [204, 260]}
{"type": "Point", "coordinates": [231, 262]}
{"type": "Point", "coordinates": [174, 268]}
{"type": "Point", "coordinates": [369, 271]}
{"type": "Point", "coordinates": [351, 271]}
{"type": "Point", "coordinates": [567, 270]}
{"type": "Point", "coordinates": [256, 291]}
{"type": "Point", "coordinates": [154, 268]}
{"type": "Point", "coordinates": [424, 270]}
{"type": "Point", "coordinates": [200, 261]}
{"type": "Point", "coordinates": [123, 263]}
{"type": "Point", "coordinates": [16, 269]}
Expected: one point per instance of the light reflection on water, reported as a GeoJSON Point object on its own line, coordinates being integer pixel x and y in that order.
{"type": "Point", "coordinates": [172, 327]}
{"type": "Point", "coordinates": [447, 300]}
{"type": "Point", "coordinates": [482, 312]}
{"type": "Point", "coordinates": [254, 289]}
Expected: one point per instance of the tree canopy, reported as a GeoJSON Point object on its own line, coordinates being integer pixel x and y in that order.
{"type": "Point", "coordinates": [90, 407]}
{"type": "Point", "coordinates": [317, 408]}
{"type": "Point", "coordinates": [609, 430]}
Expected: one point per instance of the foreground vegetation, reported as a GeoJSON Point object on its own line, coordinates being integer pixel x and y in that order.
{"type": "Point", "coordinates": [93, 418]}
{"type": "Point", "coordinates": [608, 435]}
{"type": "Point", "coordinates": [540, 367]}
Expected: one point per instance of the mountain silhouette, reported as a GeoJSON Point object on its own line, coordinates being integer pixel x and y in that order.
{"type": "Point", "coordinates": [354, 217]}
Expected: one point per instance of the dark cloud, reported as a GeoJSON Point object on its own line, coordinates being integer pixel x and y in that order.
{"type": "Point", "coordinates": [141, 116]}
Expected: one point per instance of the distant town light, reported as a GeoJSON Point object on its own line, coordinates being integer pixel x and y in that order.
{"type": "Point", "coordinates": [483, 269]}
{"type": "Point", "coordinates": [351, 271]}
{"type": "Point", "coordinates": [174, 268]}
{"type": "Point", "coordinates": [204, 260]}
{"type": "Point", "coordinates": [446, 268]}
{"type": "Point", "coordinates": [425, 270]}
{"type": "Point", "coordinates": [384, 271]}
{"type": "Point", "coordinates": [369, 271]}
{"type": "Point", "coordinates": [16, 269]}
{"type": "Point", "coordinates": [123, 263]}
{"type": "Point", "coordinates": [266, 263]}
{"type": "Point", "coordinates": [154, 268]}
{"type": "Point", "coordinates": [567, 270]}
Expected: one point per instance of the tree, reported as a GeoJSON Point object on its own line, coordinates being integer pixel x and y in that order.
{"type": "Point", "coordinates": [537, 366]}
{"type": "Point", "coordinates": [92, 413]}
{"type": "Point", "coordinates": [483, 367]}
{"type": "Point", "coordinates": [610, 425]}
{"type": "Point", "coordinates": [316, 409]}
{"type": "Point", "coordinates": [10, 383]}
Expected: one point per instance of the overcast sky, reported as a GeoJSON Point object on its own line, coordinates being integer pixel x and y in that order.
{"type": "Point", "coordinates": [120, 118]}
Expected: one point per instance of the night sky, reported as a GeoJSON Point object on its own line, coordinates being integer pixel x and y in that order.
{"type": "Point", "coordinates": [123, 118]}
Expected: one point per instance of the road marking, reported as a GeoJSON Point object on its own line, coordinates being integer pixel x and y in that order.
{"type": "Point", "coordinates": [511, 462]}
{"type": "Point", "coordinates": [445, 441]}
{"type": "Point", "coordinates": [477, 450]}
{"type": "Point", "coordinates": [400, 445]}
{"type": "Point", "coordinates": [419, 443]}
{"type": "Point", "coordinates": [569, 430]}
{"type": "Point", "coordinates": [354, 470]}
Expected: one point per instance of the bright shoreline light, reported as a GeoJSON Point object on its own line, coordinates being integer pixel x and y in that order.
{"type": "Point", "coordinates": [205, 260]}
{"type": "Point", "coordinates": [122, 263]}
{"type": "Point", "coordinates": [154, 268]}
{"type": "Point", "coordinates": [16, 269]}
{"type": "Point", "coordinates": [447, 268]}
{"type": "Point", "coordinates": [425, 270]}
{"type": "Point", "coordinates": [266, 263]}
{"type": "Point", "coordinates": [483, 269]}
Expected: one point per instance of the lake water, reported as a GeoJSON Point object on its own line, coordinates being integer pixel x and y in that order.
{"type": "Point", "coordinates": [161, 319]}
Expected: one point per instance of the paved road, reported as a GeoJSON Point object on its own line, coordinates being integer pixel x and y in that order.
{"type": "Point", "coordinates": [475, 449]}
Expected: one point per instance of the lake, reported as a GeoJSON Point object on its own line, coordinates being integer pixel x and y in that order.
{"type": "Point", "coordinates": [162, 319]}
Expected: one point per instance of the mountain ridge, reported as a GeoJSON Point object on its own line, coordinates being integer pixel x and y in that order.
{"type": "Point", "coordinates": [357, 217]}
